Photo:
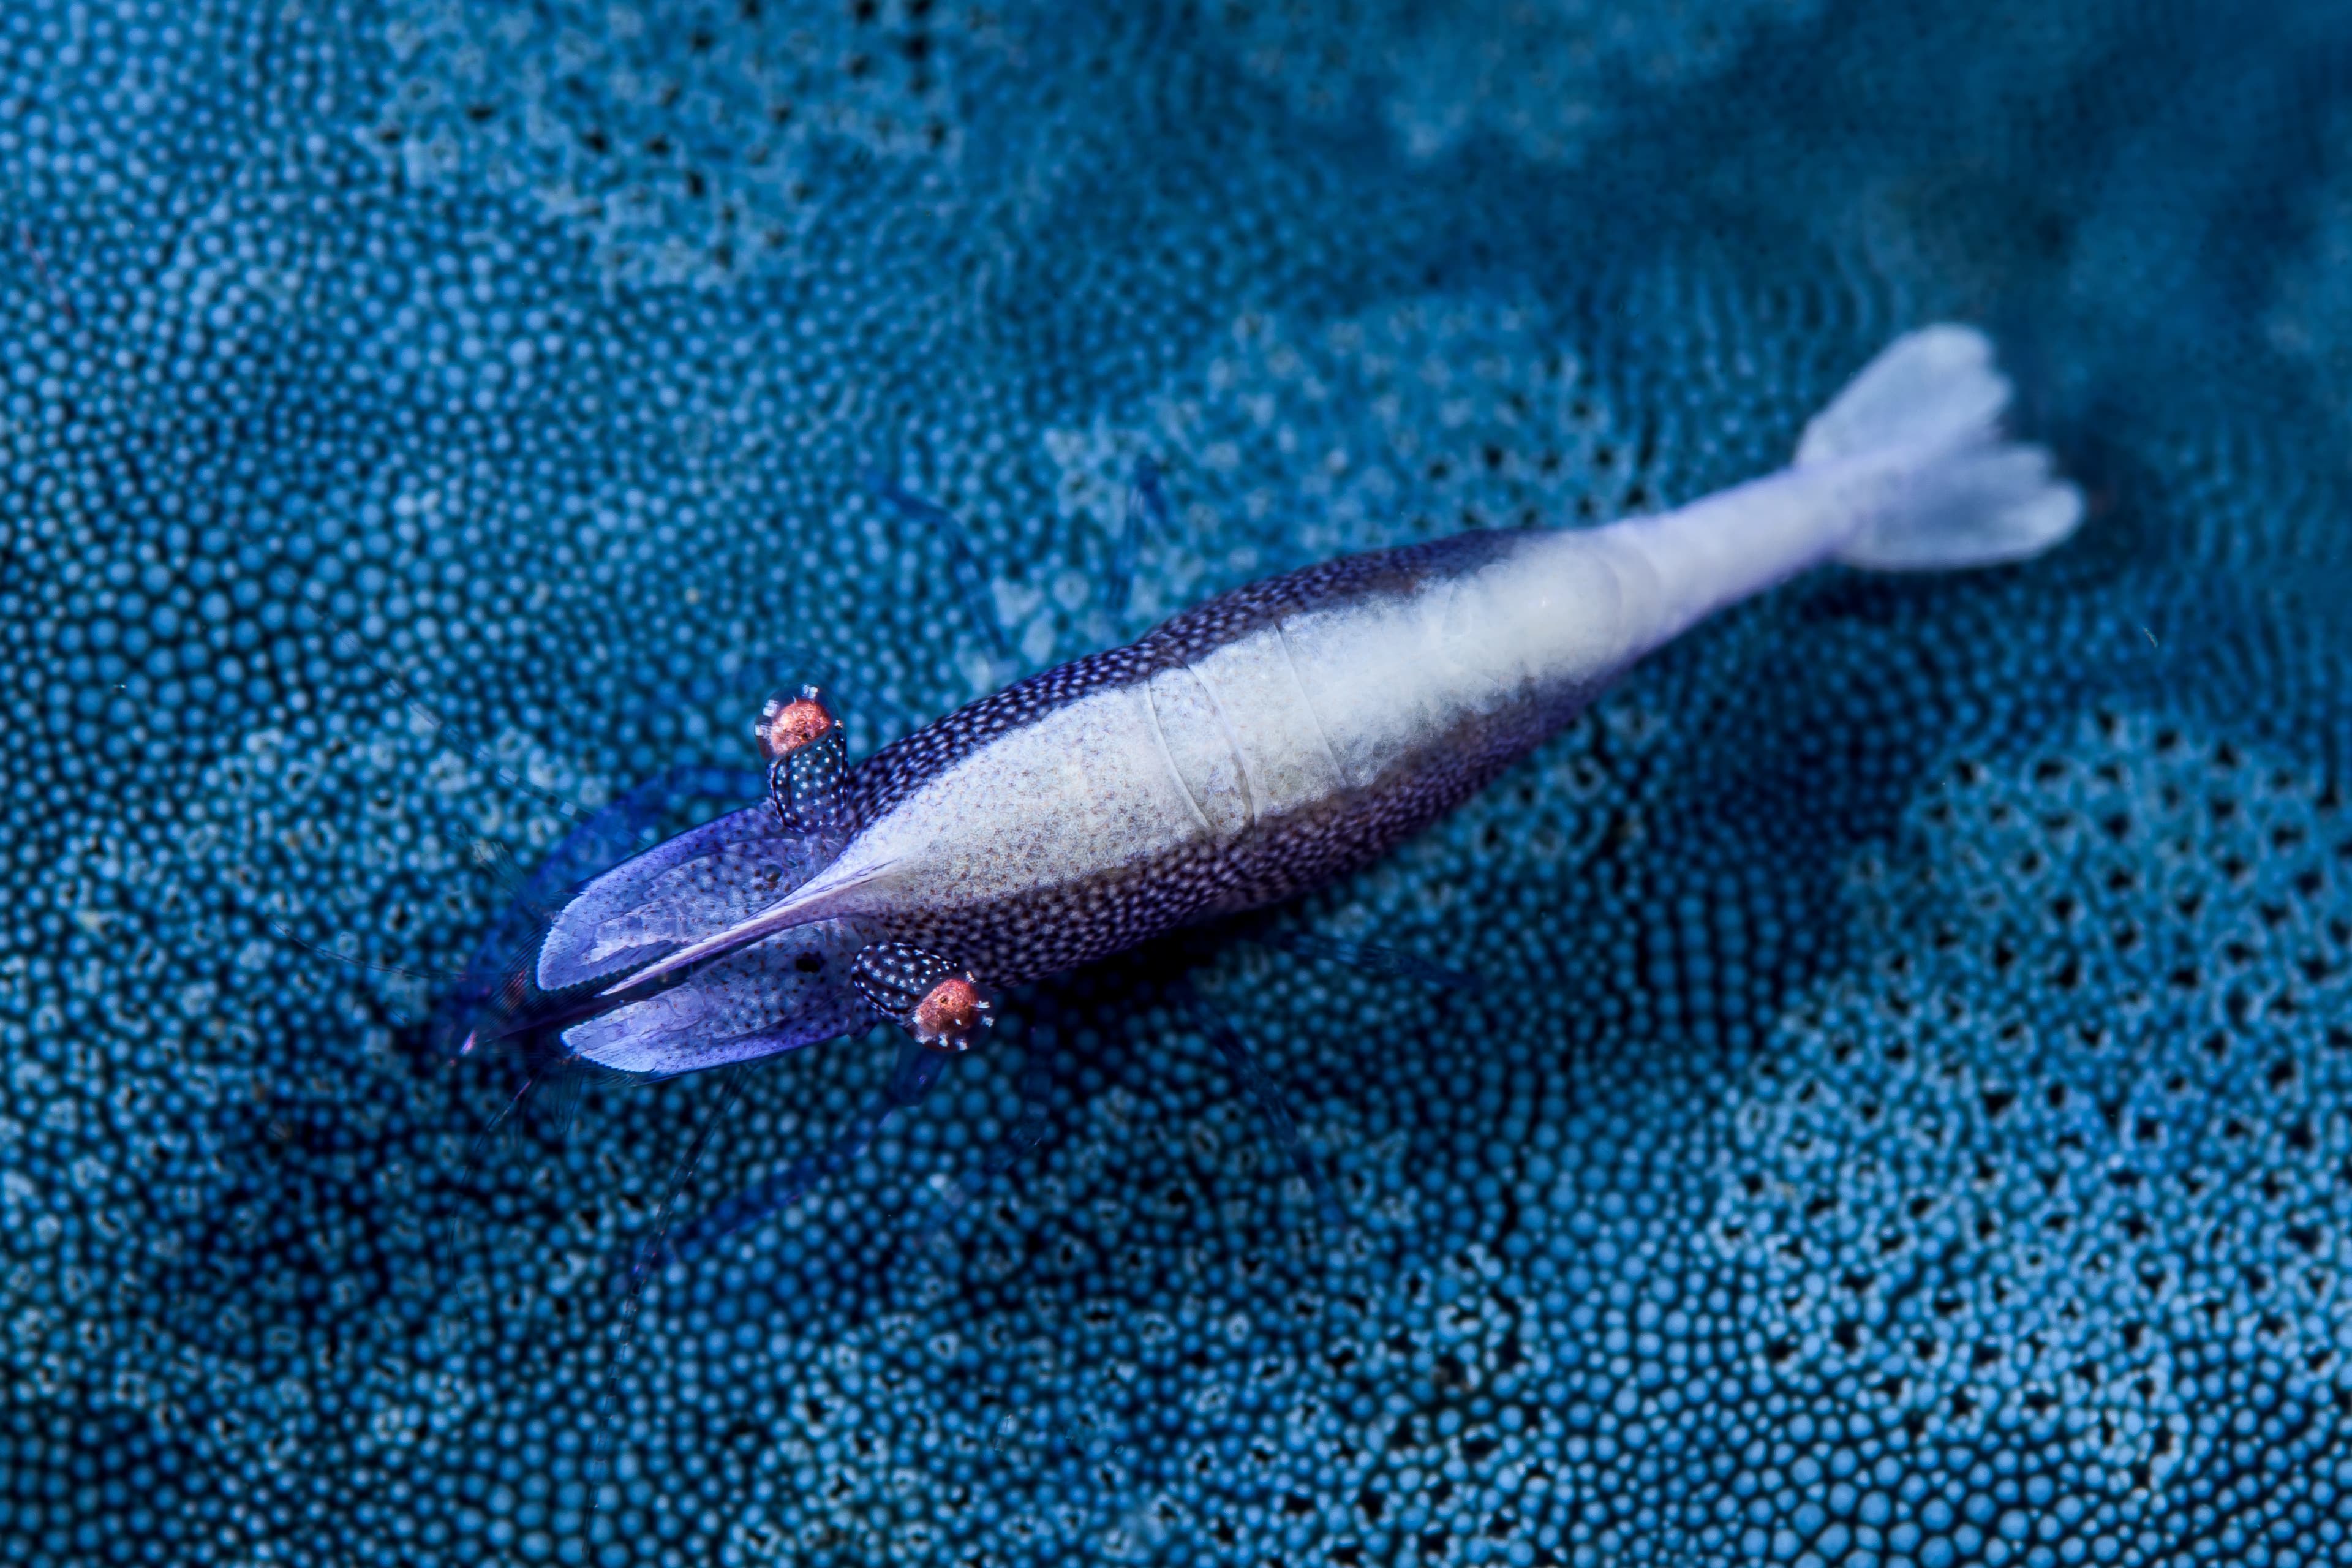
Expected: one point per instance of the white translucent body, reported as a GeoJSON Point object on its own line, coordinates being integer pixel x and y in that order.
{"type": "Point", "coordinates": [1282, 718]}
{"type": "Point", "coordinates": [1904, 469]}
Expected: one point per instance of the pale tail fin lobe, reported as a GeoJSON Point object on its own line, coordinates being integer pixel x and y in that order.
{"type": "Point", "coordinates": [1962, 494]}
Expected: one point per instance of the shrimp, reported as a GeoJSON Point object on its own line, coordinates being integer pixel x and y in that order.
{"type": "Point", "coordinates": [1261, 743]}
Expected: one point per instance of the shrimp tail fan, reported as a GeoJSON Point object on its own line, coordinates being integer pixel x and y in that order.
{"type": "Point", "coordinates": [601, 901]}
{"type": "Point", "coordinates": [1959, 492]}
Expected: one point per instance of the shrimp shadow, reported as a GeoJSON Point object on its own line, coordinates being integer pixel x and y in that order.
{"type": "Point", "coordinates": [735, 1255]}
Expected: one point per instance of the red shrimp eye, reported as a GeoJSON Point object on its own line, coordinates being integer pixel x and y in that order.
{"type": "Point", "coordinates": [802, 740]}
{"type": "Point", "coordinates": [790, 721]}
{"type": "Point", "coordinates": [951, 1015]}
{"type": "Point", "coordinates": [941, 1005]}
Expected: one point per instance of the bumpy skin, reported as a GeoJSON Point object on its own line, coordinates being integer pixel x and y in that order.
{"type": "Point", "coordinates": [1711, 1232]}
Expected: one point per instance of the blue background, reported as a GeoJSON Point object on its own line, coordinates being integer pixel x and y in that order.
{"type": "Point", "coordinates": [1905, 1120]}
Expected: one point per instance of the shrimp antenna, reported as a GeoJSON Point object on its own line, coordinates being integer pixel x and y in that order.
{"type": "Point", "coordinates": [372, 967]}
{"type": "Point", "coordinates": [476, 1152]}
{"type": "Point", "coordinates": [1364, 957]}
{"type": "Point", "coordinates": [971, 579]}
{"type": "Point", "coordinates": [1036, 1105]}
{"type": "Point", "coordinates": [650, 1257]}
{"type": "Point", "coordinates": [345, 639]}
{"type": "Point", "coordinates": [917, 1068]}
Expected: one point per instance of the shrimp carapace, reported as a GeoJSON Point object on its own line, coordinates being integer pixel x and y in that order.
{"type": "Point", "coordinates": [1273, 738]}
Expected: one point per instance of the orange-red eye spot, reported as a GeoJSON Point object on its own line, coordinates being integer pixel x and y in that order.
{"type": "Point", "coordinates": [786, 724]}
{"type": "Point", "coordinates": [951, 1013]}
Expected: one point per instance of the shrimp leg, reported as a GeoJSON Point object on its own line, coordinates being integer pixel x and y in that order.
{"type": "Point", "coordinates": [1243, 1065]}
{"type": "Point", "coordinates": [970, 577]}
{"type": "Point", "coordinates": [917, 1068]}
{"type": "Point", "coordinates": [1036, 1087]}
{"type": "Point", "coordinates": [1367, 958]}
{"type": "Point", "coordinates": [1145, 510]}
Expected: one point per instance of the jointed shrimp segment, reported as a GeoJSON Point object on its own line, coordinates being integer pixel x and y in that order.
{"type": "Point", "coordinates": [1251, 748]}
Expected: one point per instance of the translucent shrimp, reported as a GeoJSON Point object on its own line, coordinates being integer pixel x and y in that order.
{"type": "Point", "coordinates": [1252, 748]}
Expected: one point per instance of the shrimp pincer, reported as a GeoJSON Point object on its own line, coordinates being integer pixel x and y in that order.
{"type": "Point", "coordinates": [1263, 742]}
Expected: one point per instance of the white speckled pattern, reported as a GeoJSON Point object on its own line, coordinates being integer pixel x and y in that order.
{"type": "Point", "coordinates": [1280, 721]}
{"type": "Point", "coordinates": [1296, 728]}
{"type": "Point", "coordinates": [1308, 708]}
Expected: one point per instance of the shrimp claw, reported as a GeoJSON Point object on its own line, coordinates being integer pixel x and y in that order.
{"type": "Point", "coordinates": [807, 749]}
{"type": "Point", "coordinates": [942, 1005]}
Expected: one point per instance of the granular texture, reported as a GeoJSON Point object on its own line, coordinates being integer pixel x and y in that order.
{"type": "Point", "coordinates": [1900, 1115]}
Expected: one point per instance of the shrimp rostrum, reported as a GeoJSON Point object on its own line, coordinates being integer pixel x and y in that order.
{"type": "Point", "coordinates": [1260, 743]}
